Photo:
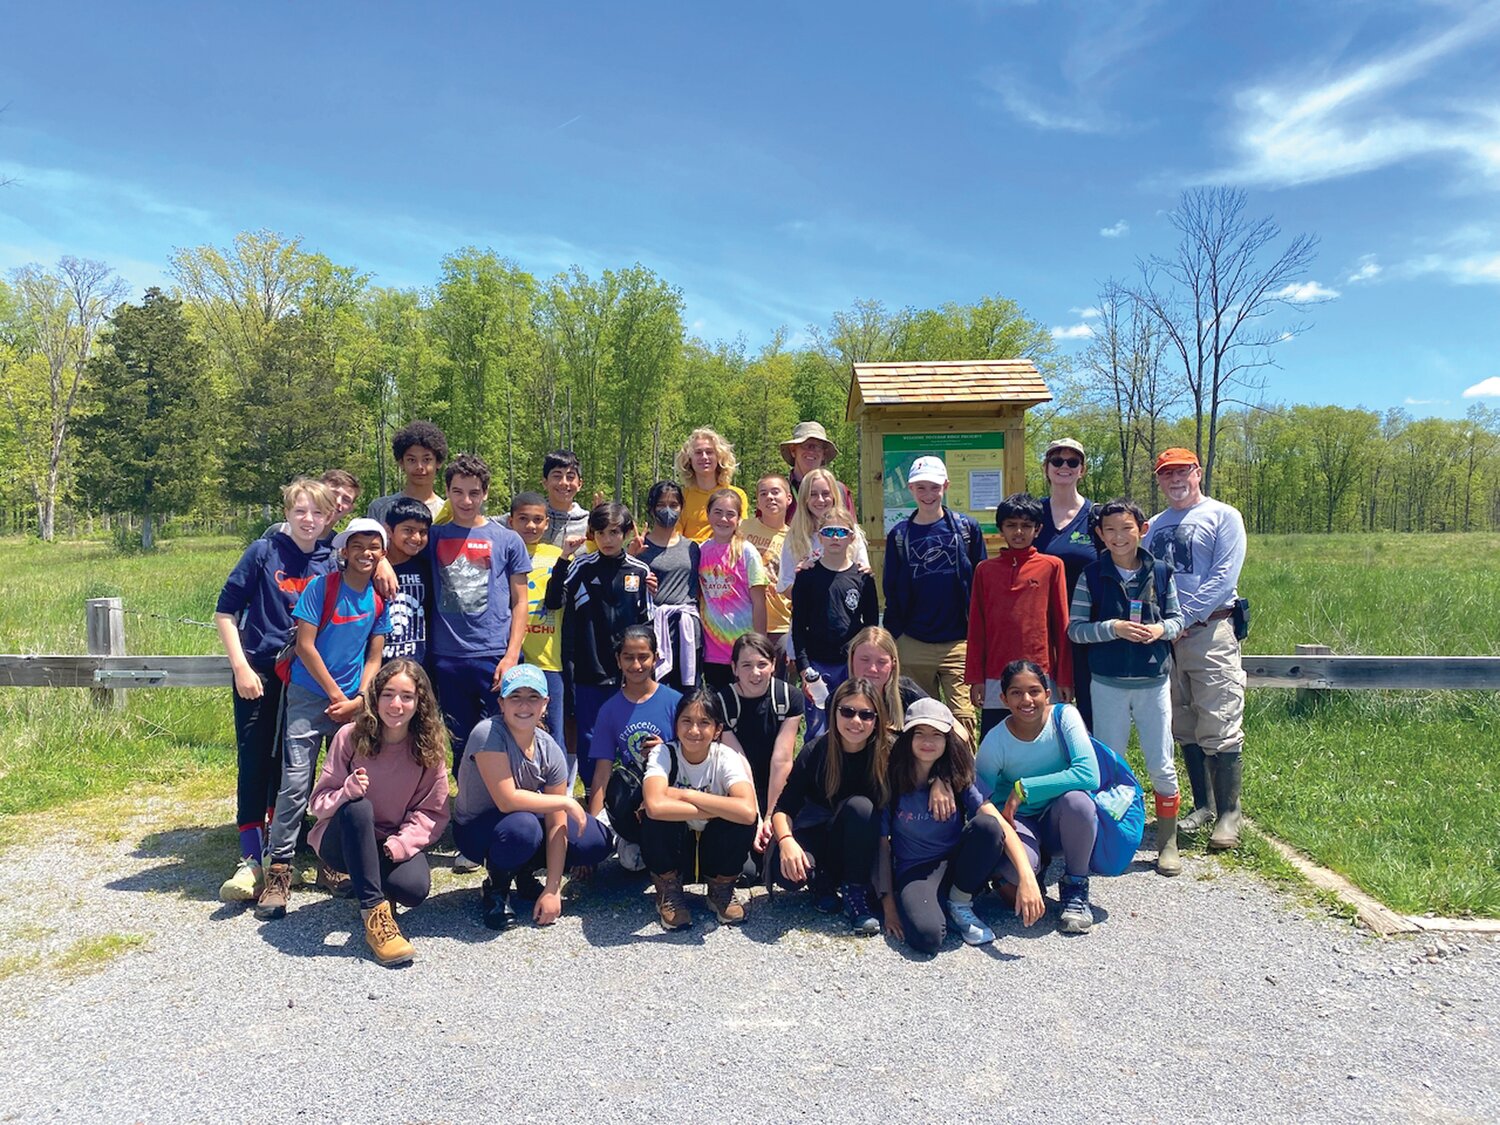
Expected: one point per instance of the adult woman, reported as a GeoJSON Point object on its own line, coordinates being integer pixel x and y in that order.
{"type": "Point", "coordinates": [673, 558]}
{"type": "Point", "coordinates": [818, 495]}
{"type": "Point", "coordinates": [807, 449]}
{"type": "Point", "coordinates": [707, 463]}
{"type": "Point", "coordinates": [1065, 533]}
{"type": "Point", "coordinates": [873, 657]}
{"type": "Point", "coordinates": [1046, 766]}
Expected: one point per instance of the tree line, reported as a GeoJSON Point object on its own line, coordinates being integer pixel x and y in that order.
{"type": "Point", "coordinates": [265, 359]}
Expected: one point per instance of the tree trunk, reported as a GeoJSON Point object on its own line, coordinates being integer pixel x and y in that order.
{"type": "Point", "coordinates": [148, 532]}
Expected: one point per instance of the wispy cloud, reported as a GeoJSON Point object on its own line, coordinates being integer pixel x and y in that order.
{"type": "Point", "coordinates": [1307, 129]}
{"type": "Point", "coordinates": [1485, 388]}
{"type": "Point", "coordinates": [1367, 270]}
{"type": "Point", "coordinates": [1072, 332]}
{"type": "Point", "coordinates": [1031, 107]}
{"type": "Point", "coordinates": [1409, 401]}
{"type": "Point", "coordinates": [1119, 230]}
{"type": "Point", "coordinates": [1089, 312]}
{"type": "Point", "coordinates": [1305, 292]}
{"type": "Point", "coordinates": [1465, 269]}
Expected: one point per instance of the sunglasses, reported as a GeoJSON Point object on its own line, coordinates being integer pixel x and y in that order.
{"type": "Point", "coordinates": [1065, 462]}
{"type": "Point", "coordinates": [860, 713]}
{"type": "Point", "coordinates": [835, 532]}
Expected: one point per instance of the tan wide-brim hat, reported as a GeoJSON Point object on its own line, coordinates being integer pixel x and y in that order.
{"type": "Point", "coordinates": [807, 431]}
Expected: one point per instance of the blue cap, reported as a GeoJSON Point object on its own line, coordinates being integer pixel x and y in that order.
{"type": "Point", "coordinates": [523, 675]}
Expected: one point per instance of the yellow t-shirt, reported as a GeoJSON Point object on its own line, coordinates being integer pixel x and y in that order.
{"type": "Point", "coordinates": [694, 523]}
{"type": "Point", "coordinates": [768, 543]}
{"type": "Point", "coordinates": [543, 643]}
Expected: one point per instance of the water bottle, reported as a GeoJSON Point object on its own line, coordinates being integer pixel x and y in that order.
{"type": "Point", "coordinates": [817, 688]}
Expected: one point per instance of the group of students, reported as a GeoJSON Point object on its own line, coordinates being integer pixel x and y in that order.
{"type": "Point", "coordinates": [609, 688]}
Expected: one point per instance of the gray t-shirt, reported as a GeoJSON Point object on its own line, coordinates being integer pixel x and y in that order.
{"type": "Point", "coordinates": [676, 570]}
{"type": "Point", "coordinates": [547, 766]}
{"type": "Point", "coordinates": [1205, 547]}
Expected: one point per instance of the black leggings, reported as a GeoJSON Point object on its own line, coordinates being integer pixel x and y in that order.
{"type": "Point", "coordinates": [349, 844]}
{"type": "Point", "coordinates": [920, 890]}
{"type": "Point", "coordinates": [257, 727]}
{"type": "Point", "coordinates": [719, 850]}
{"type": "Point", "coordinates": [843, 849]}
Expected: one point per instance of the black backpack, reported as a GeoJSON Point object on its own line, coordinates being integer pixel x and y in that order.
{"type": "Point", "coordinates": [781, 702]}
{"type": "Point", "coordinates": [626, 791]}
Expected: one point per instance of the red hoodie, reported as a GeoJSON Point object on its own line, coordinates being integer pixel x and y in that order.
{"type": "Point", "coordinates": [1019, 611]}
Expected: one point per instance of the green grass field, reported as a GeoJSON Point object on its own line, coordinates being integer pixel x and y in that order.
{"type": "Point", "coordinates": [1399, 791]}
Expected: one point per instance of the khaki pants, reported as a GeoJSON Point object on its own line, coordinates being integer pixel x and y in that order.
{"type": "Point", "coordinates": [1208, 688]}
{"type": "Point", "coordinates": [938, 670]}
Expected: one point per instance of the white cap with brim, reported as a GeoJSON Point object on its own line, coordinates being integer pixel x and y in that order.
{"type": "Point", "coordinates": [929, 713]}
{"type": "Point", "coordinates": [364, 525]}
{"type": "Point", "coordinates": [930, 470]}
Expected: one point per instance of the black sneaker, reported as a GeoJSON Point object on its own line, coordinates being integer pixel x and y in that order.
{"type": "Point", "coordinates": [1077, 915]}
{"type": "Point", "coordinates": [862, 920]}
{"type": "Point", "coordinates": [494, 903]}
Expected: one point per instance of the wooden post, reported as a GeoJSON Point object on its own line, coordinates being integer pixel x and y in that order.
{"type": "Point", "coordinates": [1311, 697]}
{"type": "Point", "coordinates": [105, 627]}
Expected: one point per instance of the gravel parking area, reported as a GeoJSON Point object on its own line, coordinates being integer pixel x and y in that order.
{"type": "Point", "coordinates": [1211, 997]}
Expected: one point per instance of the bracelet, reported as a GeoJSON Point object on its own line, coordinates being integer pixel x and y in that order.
{"type": "Point", "coordinates": [1019, 790]}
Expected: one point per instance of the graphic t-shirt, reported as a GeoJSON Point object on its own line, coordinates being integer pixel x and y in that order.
{"type": "Point", "coordinates": [714, 775]}
{"type": "Point", "coordinates": [726, 580]}
{"type": "Point", "coordinates": [344, 638]}
{"type": "Point", "coordinates": [472, 569]}
{"type": "Point", "coordinates": [622, 725]}
{"type": "Point", "coordinates": [408, 609]}
{"type": "Point", "coordinates": [543, 643]}
{"type": "Point", "coordinates": [939, 610]}
{"type": "Point", "coordinates": [1073, 543]}
{"type": "Point", "coordinates": [262, 590]}
{"type": "Point", "coordinates": [1205, 547]}
{"type": "Point", "coordinates": [916, 837]}
{"type": "Point", "coordinates": [768, 543]}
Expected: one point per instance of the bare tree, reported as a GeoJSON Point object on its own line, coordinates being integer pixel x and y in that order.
{"type": "Point", "coordinates": [1213, 298]}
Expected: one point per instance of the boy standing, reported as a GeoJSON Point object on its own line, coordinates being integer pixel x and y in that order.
{"type": "Point", "coordinates": [930, 558]}
{"type": "Point", "coordinates": [831, 602]}
{"type": "Point", "coordinates": [343, 487]}
{"type": "Point", "coordinates": [567, 521]}
{"type": "Point", "coordinates": [1019, 611]}
{"type": "Point", "coordinates": [409, 523]}
{"type": "Point", "coordinates": [543, 643]}
{"type": "Point", "coordinates": [766, 532]}
{"type": "Point", "coordinates": [341, 629]}
{"type": "Point", "coordinates": [1125, 608]}
{"type": "Point", "coordinates": [420, 449]}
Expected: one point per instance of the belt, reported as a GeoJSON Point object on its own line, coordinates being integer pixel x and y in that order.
{"type": "Point", "coordinates": [1216, 615]}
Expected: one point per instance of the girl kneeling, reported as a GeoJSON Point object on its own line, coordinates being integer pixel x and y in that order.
{"type": "Point", "coordinates": [514, 813]}
{"type": "Point", "coordinates": [700, 814]}
{"type": "Point", "coordinates": [382, 797]}
{"type": "Point", "coordinates": [935, 865]}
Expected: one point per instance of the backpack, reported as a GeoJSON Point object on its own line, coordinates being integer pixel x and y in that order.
{"type": "Point", "coordinates": [961, 529]}
{"type": "Point", "coordinates": [625, 792]}
{"type": "Point", "coordinates": [332, 581]}
{"type": "Point", "coordinates": [1119, 832]}
{"type": "Point", "coordinates": [781, 702]}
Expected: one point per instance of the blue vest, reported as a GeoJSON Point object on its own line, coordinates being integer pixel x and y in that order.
{"type": "Point", "coordinates": [1108, 602]}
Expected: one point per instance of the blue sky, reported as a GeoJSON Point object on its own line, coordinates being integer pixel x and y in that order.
{"type": "Point", "coordinates": [779, 161]}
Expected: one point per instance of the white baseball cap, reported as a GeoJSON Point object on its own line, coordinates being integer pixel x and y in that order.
{"type": "Point", "coordinates": [361, 526]}
{"type": "Point", "coordinates": [928, 469]}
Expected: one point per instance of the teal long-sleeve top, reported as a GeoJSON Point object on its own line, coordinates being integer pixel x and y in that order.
{"type": "Point", "coordinates": [1045, 767]}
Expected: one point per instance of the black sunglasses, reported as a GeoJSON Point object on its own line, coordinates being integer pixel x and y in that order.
{"type": "Point", "coordinates": [860, 713]}
{"type": "Point", "coordinates": [1069, 462]}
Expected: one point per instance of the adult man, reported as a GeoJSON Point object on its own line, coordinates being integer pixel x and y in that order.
{"type": "Point", "coordinates": [1203, 540]}
{"type": "Point", "coordinates": [929, 572]}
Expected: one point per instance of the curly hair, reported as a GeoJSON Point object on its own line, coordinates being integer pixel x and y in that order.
{"type": "Point", "coordinates": [421, 433]}
{"type": "Point", "coordinates": [428, 734]}
{"type": "Point", "coordinates": [722, 449]}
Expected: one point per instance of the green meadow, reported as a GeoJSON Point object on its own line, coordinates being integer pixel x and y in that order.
{"type": "Point", "coordinates": [1399, 791]}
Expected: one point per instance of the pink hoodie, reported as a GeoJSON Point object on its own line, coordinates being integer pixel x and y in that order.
{"type": "Point", "coordinates": [410, 803]}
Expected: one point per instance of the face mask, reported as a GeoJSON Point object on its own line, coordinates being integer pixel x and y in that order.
{"type": "Point", "coordinates": [667, 517]}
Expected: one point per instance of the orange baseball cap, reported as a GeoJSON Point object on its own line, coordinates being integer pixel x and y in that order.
{"type": "Point", "coordinates": [1171, 458]}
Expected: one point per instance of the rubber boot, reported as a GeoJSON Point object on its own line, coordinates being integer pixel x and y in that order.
{"type": "Point", "coordinates": [1204, 812]}
{"type": "Point", "coordinates": [1167, 860]}
{"type": "Point", "coordinates": [1226, 774]}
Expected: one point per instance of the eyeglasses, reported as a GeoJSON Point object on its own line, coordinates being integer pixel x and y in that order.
{"type": "Point", "coordinates": [1065, 462]}
{"type": "Point", "coordinates": [835, 532]}
{"type": "Point", "coordinates": [860, 713]}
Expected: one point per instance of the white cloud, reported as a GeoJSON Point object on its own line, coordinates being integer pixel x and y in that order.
{"type": "Point", "coordinates": [1087, 313]}
{"type": "Point", "coordinates": [1305, 292]}
{"type": "Point", "coordinates": [1073, 332]}
{"type": "Point", "coordinates": [1472, 269]}
{"type": "Point", "coordinates": [1409, 401]}
{"type": "Point", "coordinates": [1033, 108]}
{"type": "Point", "coordinates": [1119, 230]}
{"type": "Point", "coordinates": [1308, 129]}
{"type": "Point", "coordinates": [1485, 388]}
{"type": "Point", "coordinates": [1367, 270]}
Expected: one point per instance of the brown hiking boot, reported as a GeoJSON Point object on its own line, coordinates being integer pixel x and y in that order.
{"type": "Point", "coordinates": [721, 897]}
{"type": "Point", "coordinates": [336, 883]}
{"type": "Point", "coordinates": [384, 937]}
{"type": "Point", "coordinates": [276, 893]}
{"type": "Point", "coordinates": [671, 904]}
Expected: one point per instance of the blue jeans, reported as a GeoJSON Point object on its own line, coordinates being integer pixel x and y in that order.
{"type": "Point", "coordinates": [466, 694]}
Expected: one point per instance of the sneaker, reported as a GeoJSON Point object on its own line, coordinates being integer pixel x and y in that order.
{"type": "Point", "coordinates": [276, 893]}
{"type": "Point", "coordinates": [463, 865]}
{"type": "Point", "coordinates": [966, 923]}
{"type": "Point", "coordinates": [862, 920]}
{"type": "Point", "coordinates": [245, 884]}
{"type": "Point", "coordinates": [1077, 916]}
{"type": "Point", "coordinates": [630, 856]}
{"type": "Point", "coordinates": [721, 897]}
{"type": "Point", "coordinates": [384, 937]}
{"type": "Point", "coordinates": [494, 904]}
{"type": "Point", "coordinates": [336, 883]}
{"type": "Point", "coordinates": [671, 904]}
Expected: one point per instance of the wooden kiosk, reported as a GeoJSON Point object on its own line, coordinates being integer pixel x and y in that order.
{"type": "Point", "coordinates": [971, 413]}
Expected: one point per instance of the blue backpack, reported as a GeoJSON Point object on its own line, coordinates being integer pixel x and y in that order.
{"type": "Point", "coordinates": [1119, 807]}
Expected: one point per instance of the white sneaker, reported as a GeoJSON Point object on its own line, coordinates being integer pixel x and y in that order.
{"type": "Point", "coordinates": [967, 924]}
{"type": "Point", "coordinates": [630, 856]}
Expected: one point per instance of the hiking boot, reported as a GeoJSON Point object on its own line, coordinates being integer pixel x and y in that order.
{"type": "Point", "coordinates": [966, 924]}
{"type": "Point", "coordinates": [384, 937]}
{"type": "Point", "coordinates": [1077, 916]}
{"type": "Point", "coordinates": [463, 865]}
{"type": "Point", "coordinates": [671, 904]}
{"type": "Point", "coordinates": [276, 893]}
{"type": "Point", "coordinates": [1227, 776]}
{"type": "Point", "coordinates": [494, 903]}
{"type": "Point", "coordinates": [245, 884]}
{"type": "Point", "coordinates": [862, 920]}
{"type": "Point", "coordinates": [336, 883]}
{"type": "Point", "coordinates": [721, 897]}
{"type": "Point", "coordinates": [1203, 813]}
{"type": "Point", "coordinates": [1168, 862]}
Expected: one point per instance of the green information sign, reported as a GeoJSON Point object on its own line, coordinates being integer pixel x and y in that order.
{"type": "Point", "coordinates": [976, 472]}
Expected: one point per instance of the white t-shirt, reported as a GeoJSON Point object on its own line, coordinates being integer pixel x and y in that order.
{"type": "Point", "coordinates": [714, 775]}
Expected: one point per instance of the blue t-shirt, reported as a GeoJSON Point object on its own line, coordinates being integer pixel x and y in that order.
{"type": "Point", "coordinates": [408, 609]}
{"type": "Point", "coordinates": [622, 725]}
{"type": "Point", "coordinates": [472, 568]}
{"type": "Point", "coordinates": [916, 837]}
{"type": "Point", "coordinates": [344, 639]}
{"type": "Point", "coordinates": [938, 609]}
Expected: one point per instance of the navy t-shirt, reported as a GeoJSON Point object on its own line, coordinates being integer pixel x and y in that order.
{"type": "Point", "coordinates": [1074, 544]}
{"type": "Point", "coordinates": [472, 569]}
{"type": "Point", "coordinates": [916, 837]}
{"type": "Point", "coordinates": [938, 611]}
{"type": "Point", "coordinates": [409, 609]}
{"type": "Point", "coordinates": [622, 725]}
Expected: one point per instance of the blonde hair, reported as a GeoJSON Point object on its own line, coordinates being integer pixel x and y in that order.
{"type": "Point", "coordinates": [736, 541]}
{"type": "Point", "coordinates": [315, 490]}
{"type": "Point", "coordinates": [804, 524]}
{"type": "Point", "coordinates": [722, 450]}
{"type": "Point", "coordinates": [888, 697]}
